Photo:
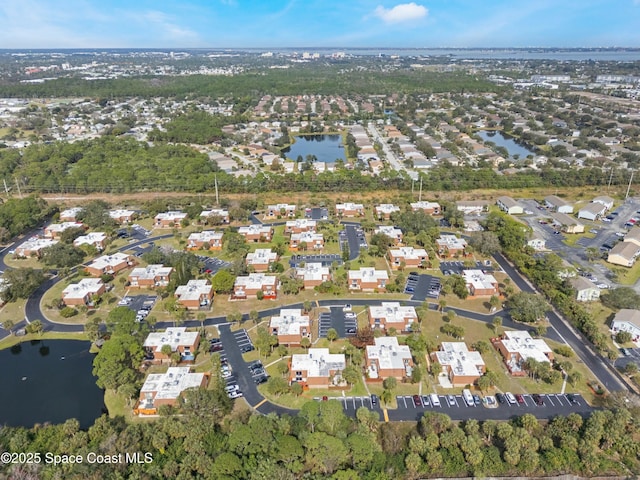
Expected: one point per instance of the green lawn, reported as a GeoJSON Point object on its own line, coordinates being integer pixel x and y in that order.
{"type": "Point", "coordinates": [12, 340]}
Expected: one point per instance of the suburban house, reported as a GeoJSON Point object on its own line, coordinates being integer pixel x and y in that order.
{"type": "Point", "coordinates": [55, 229]}
{"type": "Point", "coordinates": [181, 341]}
{"type": "Point", "coordinates": [509, 205]}
{"type": "Point", "coordinates": [195, 294]}
{"type": "Point", "coordinates": [165, 388]}
{"type": "Point", "coordinates": [349, 209]}
{"type": "Point", "coordinates": [480, 284]}
{"type": "Point", "coordinates": [256, 233]}
{"type": "Point", "coordinates": [95, 239]}
{"type": "Point", "coordinates": [312, 240]}
{"type": "Point", "coordinates": [592, 211]}
{"type": "Point", "coordinates": [392, 315]}
{"type": "Point", "coordinates": [281, 210]}
{"type": "Point", "coordinates": [169, 219]}
{"type": "Point", "coordinates": [317, 369]}
{"type": "Point", "coordinates": [384, 210]}
{"type": "Point", "coordinates": [260, 260]}
{"type": "Point", "coordinates": [313, 274]}
{"type": "Point", "coordinates": [71, 214]}
{"type": "Point", "coordinates": [566, 223]}
{"type": "Point", "coordinates": [392, 232]}
{"type": "Point", "coordinates": [604, 200]}
{"type": "Point", "coordinates": [450, 245]}
{"type": "Point", "coordinates": [34, 247]}
{"type": "Point", "coordinates": [290, 327]}
{"type": "Point", "coordinates": [83, 292]}
{"type": "Point", "coordinates": [516, 346]}
{"type": "Point", "coordinates": [300, 225]}
{"type": "Point", "coordinates": [368, 279]}
{"type": "Point", "coordinates": [430, 208]}
{"type": "Point", "coordinates": [586, 290]}
{"type": "Point", "coordinates": [386, 358]}
{"type": "Point", "coordinates": [537, 243]}
{"type": "Point", "coordinates": [150, 276]}
{"type": "Point", "coordinates": [210, 238]}
{"type": "Point", "coordinates": [557, 204]}
{"type": "Point", "coordinates": [122, 216]}
{"type": "Point", "coordinates": [624, 254]}
{"type": "Point", "coordinates": [407, 257]}
{"type": "Point", "coordinates": [220, 213]}
{"type": "Point", "coordinates": [110, 264]}
{"type": "Point", "coordinates": [473, 207]}
{"type": "Point", "coordinates": [461, 365]}
{"type": "Point", "coordinates": [250, 285]}
{"type": "Point", "coordinates": [627, 320]}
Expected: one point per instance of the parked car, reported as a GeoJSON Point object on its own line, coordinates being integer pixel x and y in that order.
{"type": "Point", "coordinates": [572, 399]}
{"type": "Point", "coordinates": [374, 399]}
{"type": "Point", "coordinates": [510, 398]}
{"type": "Point", "coordinates": [538, 399]}
{"type": "Point", "coordinates": [500, 398]}
{"type": "Point", "coordinates": [417, 401]}
{"type": "Point", "coordinates": [425, 400]}
{"type": "Point", "coordinates": [519, 398]}
{"type": "Point", "coordinates": [435, 400]}
{"type": "Point", "coordinates": [452, 400]}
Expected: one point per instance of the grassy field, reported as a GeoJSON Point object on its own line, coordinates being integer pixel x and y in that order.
{"type": "Point", "coordinates": [13, 311]}
{"type": "Point", "coordinates": [12, 340]}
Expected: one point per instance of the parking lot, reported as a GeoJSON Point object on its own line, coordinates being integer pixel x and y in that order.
{"type": "Point", "coordinates": [141, 304]}
{"type": "Point", "coordinates": [457, 408]}
{"type": "Point", "coordinates": [344, 322]}
{"type": "Point", "coordinates": [353, 237]}
{"type": "Point", "coordinates": [422, 286]}
{"type": "Point", "coordinates": [134, 232]}
{"type": "Point", "coordinates": [211, 265]}
{"type": "Point", "coordinates": [317, 214]}
{"type": "Point", "coordinates": [325, 260]}
{"type": "Point", "coordinates": [629, 355]}
{"type": "Point", "coordinates": [243, 340]}
{"type": "Point", "coordinates": [456, 267]}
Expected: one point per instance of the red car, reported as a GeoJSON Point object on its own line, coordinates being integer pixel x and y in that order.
{"type": "Point", "coordinates": [519, 398]}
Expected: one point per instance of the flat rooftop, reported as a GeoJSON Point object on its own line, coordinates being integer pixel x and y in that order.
{"type": "Point", "coordinates": [318, 362]}
{"type": "Point", "coordinates": [290, 321]}
{"type": "Point", "coordinates": [171, 384]}
{"type": "Point", "coordinates": [460, 359]}
{"type": "Point", "coordinates": [172, 336]}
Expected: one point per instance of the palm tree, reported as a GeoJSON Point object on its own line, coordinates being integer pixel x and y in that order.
{"type": "Point", "coordinates": [442, 303]}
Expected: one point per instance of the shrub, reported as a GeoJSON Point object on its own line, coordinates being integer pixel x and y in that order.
{"type": "Point", "coordinates": [68, 312]}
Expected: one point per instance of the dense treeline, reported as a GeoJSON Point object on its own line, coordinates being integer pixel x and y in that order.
{"type": "Point", "coordinates": [20, 214]}
{"type": "Point", "coordinates": [321, 442]}
{"type": "Point", "coordinates": [324, 80]}
{"type": "Point", "coordinates": [194, 127]}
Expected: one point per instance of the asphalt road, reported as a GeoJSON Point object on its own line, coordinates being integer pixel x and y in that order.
{"type": "Point", "coordinates": [585, 352]}
{"type": "Point", "coordinates": [353, 241]}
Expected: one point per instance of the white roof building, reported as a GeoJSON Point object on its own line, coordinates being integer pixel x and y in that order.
{"type": "Point", "coordinates": [312, 272]}
{"type": "Point", "coordinates": [55, 229]}
{"type": "Point", "coordinates": [318, 362]}
{"type": "Point", "coordinates": [171, 217]}
{"type": "Point", "coordinates": [389, 231]}
{"type": "Point", "coordinates": [220, 212]}
{"type": "Point", "coordinates": [478, 281]}
{"type": "Point", "coordinates": [386, 209]}
{"type": "Point", "coordinates": [106, 261]}
{"type": "Point", "coordinates": [428, 206]}
{"type": "Point", "coordinates": [151, 272]}
{"type": "Point", "coordinates": [172, 336]}
{"type": "Point", "coordinates": [522, 343]}
{"type": "Point", "coordinates": [96, 239]}
{"type": "Point", "coordinates": [262, 256]}
{"type": "Point", "coordinates": [386, 355]}
{"type": "Point", "coordinates": [71, 212]}
{"type": "Point", "coordinates": [208, 236]}
{"type": "Point", "coordinates": [194, 290]}
{"type": "Point", "coordinates": [462, 361]}
{"type": "Point", "coordinates": [451, 242]}
{"type": "Point", "coordinates": [35, 245]}
{"type": "Point", "coordinates": [290, 321]}
{"type": "Point", "coordinates": [301, 224]}
{"type": "Point", "coordinates": [121, 214]}
{"type": "Point", "coordinates": [253, 229]}
{"type": "Point", "coordinates": [169, 385]}
{"type": "Point", "coordinates": [80, 290]}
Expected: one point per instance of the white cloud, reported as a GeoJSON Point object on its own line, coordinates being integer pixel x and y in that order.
{"type": "Point", "coordinates": [171, 30]}
{"type": "Point", "coordinates": [403, 12]}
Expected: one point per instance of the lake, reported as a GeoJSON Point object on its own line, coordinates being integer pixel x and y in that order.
{"type": "Point", "coordinates": [502, 140]}
{"type": "Point", "coordinates": [326, 148]}
{"type": "Point", "coordinates": [49, 381]}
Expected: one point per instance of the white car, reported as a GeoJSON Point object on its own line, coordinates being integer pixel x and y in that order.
{"type": "Point", "coordinates": [510, 398]}
{"type": "Point", "coordinates": [603, 286]}
{"type": "Point", "coordinates": [236, 394]}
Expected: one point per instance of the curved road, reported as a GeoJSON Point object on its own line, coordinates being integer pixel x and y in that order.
{"type": "Point", "coordinates": [560, 332]}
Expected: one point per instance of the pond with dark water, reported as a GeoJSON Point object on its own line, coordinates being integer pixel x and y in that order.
{"type": "Point", "coordinates": [502, 140]}
{"type": "Point", "coordinates": [326, 148]}
{"type": "Point", "coordinates": [49, 381]}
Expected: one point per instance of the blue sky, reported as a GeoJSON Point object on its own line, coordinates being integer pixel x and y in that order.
{"type": "Point", "coordinates": [307, 23]}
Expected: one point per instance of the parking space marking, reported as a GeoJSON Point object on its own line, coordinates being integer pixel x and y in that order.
{"type": "Point", "coordinates": [549, 399]}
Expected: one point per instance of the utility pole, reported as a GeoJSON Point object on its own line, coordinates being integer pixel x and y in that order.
{"type": "Point", "coordinates": [6, 189]}
{"type": "Point", "coordinates": [18, 185]}
{"type": "Point", "coordinates": [412, 184]}
{"type": "Point", "coordinates": [216, 184]}
{"type": "Point", "coordinates": [420, 196]}
{"type": "Point", "coordinates": [610, 178]}
{"type": "Point", "coordinates": [629, 187]}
